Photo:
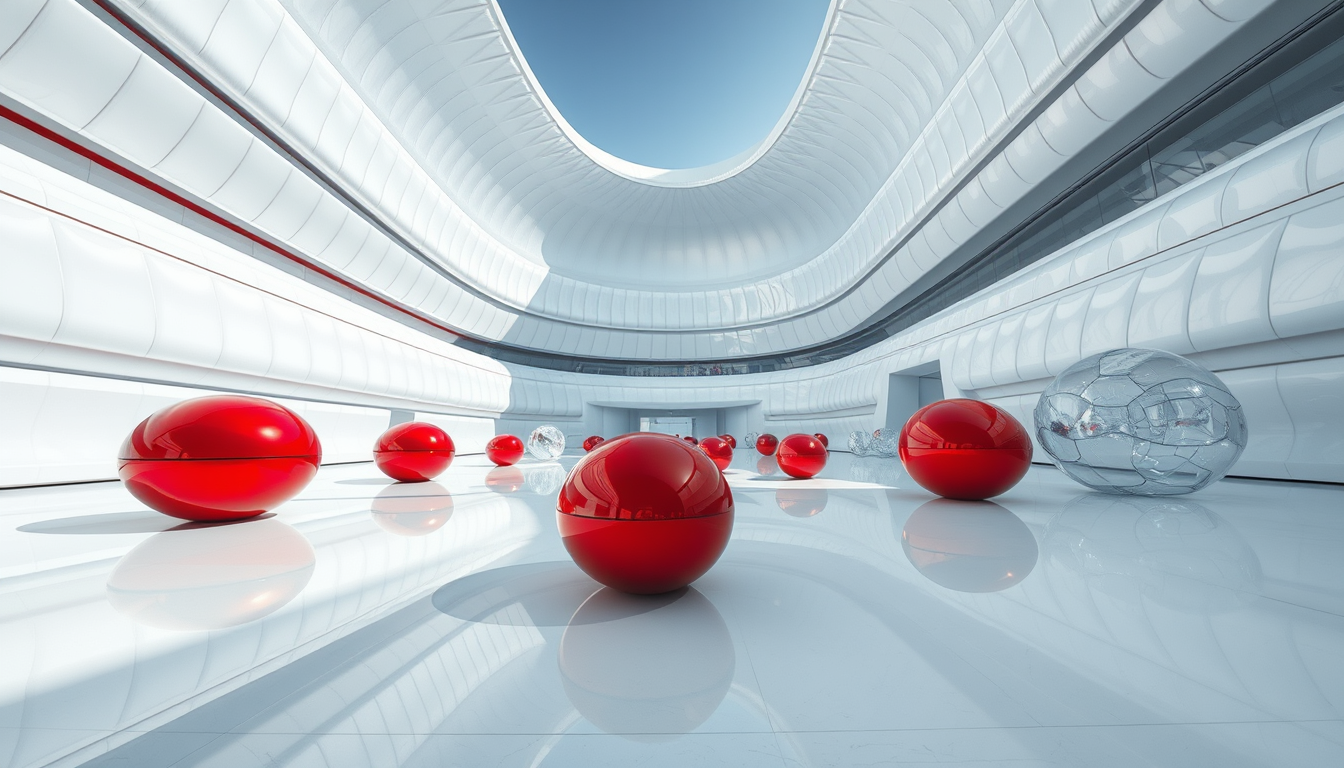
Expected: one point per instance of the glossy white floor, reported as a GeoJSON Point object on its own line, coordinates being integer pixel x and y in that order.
{"type": "Point", "coordinates": [852, 621]}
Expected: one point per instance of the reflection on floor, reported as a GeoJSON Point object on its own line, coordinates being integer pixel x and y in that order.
{"type": "Point", "coordinates": [854, 620]}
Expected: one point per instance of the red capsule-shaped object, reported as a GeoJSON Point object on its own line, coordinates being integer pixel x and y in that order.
{"type": "Point", "coordinates": [224, 457]}
{"type": "Point", "coordinates": [504, 450]}
{"type": "Point", "coordinates": [730, 440]}
{"type": "Point", "coordinates": [718, 451]}
{"type": "Point", "coordinates": [691, 440]}
{"type": "Point", "coordinates": [591, 443]}
{"type": "Point", "coordinates": [801, 456]}
{"type": "Point", "coordinates": [965, 449]}
{"type": "Point", "coordinates": [825, 443]}
{"type": "Point", "coordinates": [645, 513]}
{"type": "Point", "coordinates": [414, 452]}
{"type": "Point", "coordinates": [766, 444]}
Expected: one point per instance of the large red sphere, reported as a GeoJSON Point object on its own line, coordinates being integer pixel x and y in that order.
{"type": "Point", "coordinates": [718, 451]}
{"type": "Point", "coordinates": [824, 441]}
{"type": "Point", "coordinates": [414, 452]}
{"type": "Point", "coordinates": [591, 443]}
{"type": "Point", "coordinates": [965, 449]}
{"type": "Point", "coordinates": [766, 444]}
{"type": "Point", "coordinates": [504, 450]}
{"type": "Point", "coordinates": [801, 456]}
{"type": "Point", "coordinates": [645, 513]}
{"type": "Point", "coordinates": [224, 457]}
{"type": "Point", "coordinates": [730, 440]}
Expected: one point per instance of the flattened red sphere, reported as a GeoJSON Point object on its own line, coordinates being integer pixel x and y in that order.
{"type": "Point", "coordinates": [691, 440]}
{"type": "Point", "coordinates": [414, 452]}
{"type": "Point", "coordinates": [504, 450]}
{"type": "Point", "coordinates": [718, 451]}
{"type": "Point", "coordinates": [824, 441]}
{"type": "Point", "coordinates": [591, 443]}
{"type": "Point", "coordinates": [801, 456]}
{"type": "Point", "coordinates": [766, 444]}
{"type": "Point", "coordinates": [965, 449]}
{"type": "Point", "coordinates": [224, 457]}
{"type": "Point", "coordinates": [645, 513]}
{"type": "Point", "coordinates": [730, 440]}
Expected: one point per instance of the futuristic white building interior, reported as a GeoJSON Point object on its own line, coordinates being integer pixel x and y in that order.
{"type": "Point", "coordinates": [370, 212]}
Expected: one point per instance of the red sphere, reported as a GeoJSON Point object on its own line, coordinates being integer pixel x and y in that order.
{"type": "Point", "coordinates": [691, 440]}
{"type": "Point", "coordinates": [591, 443]}
{"type": "Point", "coordinates": [504, 450]}
{"type": "Point", "coordinates": [718, 451]}
{"type": "Point", "coordinates": [414, 452]}
{"type": "Point", "coordinates": [224, 457]}
{"type": "Point", "coordinates": [766, 444]}
{"type": "Point", "coordinates": [730, 440]}
{"type": "Point", "coordinates": [801, 456]}
{"type": "Point", "coordinates": [965, 449]}
{"type": "Point", "coordinates": [645, 513]}
{"type": "Point", "coordinates": [824, 442]}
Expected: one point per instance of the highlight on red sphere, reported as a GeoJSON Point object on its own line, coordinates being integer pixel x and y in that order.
{"type": "Point", "coordinates": [766, 444]}
{"type": "Point", "coordinates": [730, 440]}
{"type": "Point", "coordinates": [691, 440]}
{"type": "Point", "coordinates": [824, 441]}
{"type": "Point", "coordinates": [718, 451]}
{"type": "Point", "coordinates": [414, 452]}
{"type": "Point", "coordinates": [223, 457]}
{"type": "Point", "coordinates": [645, 513]}
{"type": "Point", "coordinates": [504, 450]}
{"type": "Point", "coordinates": [801, 456]}
{"type": "Point", "coordinates": [591, 443]}
{"type": "Point", "coordinates": [965, 449]}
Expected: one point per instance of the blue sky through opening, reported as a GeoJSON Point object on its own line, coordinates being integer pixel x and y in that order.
{"type": "Point", "coordinates": [669, 83]}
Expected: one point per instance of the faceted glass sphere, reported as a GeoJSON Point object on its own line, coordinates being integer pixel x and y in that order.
{"type": "Point", "coordinates": [965, 449]}
{"type": "Point", "coordinates": [546, 443]}
{"type": "Point", "coordinates": [750, 439]}
{"type": "Point", "coordinates": [730, 440]}
{"type": "Point", "coordinates": [886, 443]}
{"type": "Point", "coordinates": [591, 443]}
{"type": "Point", "coordinates": [504, 450]}
{"type": "Point", "coordinates": [414, 452]}
{"type": "Point", "coordinates": [718, 451]}
{"type": "Point", "coordinates": [766, 444]}
{"type": "Point", "coordinates": [1141, 421]}
{"type": "Point", "coordinates": [860, 443]}
{"type": "Point", "coordinates": [801, 456]}
{"type": "Point", "coordinates": [645, 513]}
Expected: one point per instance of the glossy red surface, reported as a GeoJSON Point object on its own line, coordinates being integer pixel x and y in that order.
{"type": "Point", "coordinates": [801, 502]}
{"type": "Point", "coordinates": [645, 513]}
{"type": "Point", "coordinates": [414, 452]}
{"type": "Point", "coordinates": [591, 443]}
{"type": "Point", "coordinates": [691, 440]}
{"type": "Point", "coordinates": [224, 457]}
{"type": "Point", "coordinates": [504, 450]}
{"type": "Point", "coordinates": [730, 440]}
{"type": "Point", "coordinates": [766, 444]}
{"type": "Point", "coordinates": [718, 451]}
{"type": "Point", "coordinates": [965, 449]}
{"type": "Point", "coordinates": [824, 440]}
{"type": "Point", "coordinates": [801, 456]}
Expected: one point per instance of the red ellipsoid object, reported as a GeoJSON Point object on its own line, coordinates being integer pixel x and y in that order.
{"type": "Point", "coordinates": [591, 443]}
{"type": "Point", "coordinates": [766, 444]}
{"type": "Point", "coordinates": [801, 456]}
{"type": "Point", "coordinates": [718, 451]}
{"type": "Point", "coordinates": [691, 440]}
{"type": "Point", "coordinates": [414, 452]}
{"type": "Point", "coordinates": [965, 449]}
{"type": "Point", "coordinates": [825, 443]}
{"type": "Point", "coordinates": [224, 457]}
{"type": "Point", "coordinates": [645, 513]}
{"type": "Point", "coordinates": [504, 450]}
{"type": "Point", "coordinates": [730, 440]}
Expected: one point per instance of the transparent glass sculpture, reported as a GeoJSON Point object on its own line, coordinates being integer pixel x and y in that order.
{"type": "Point", "coordinates": [544, 480]}
{"type": "Point", "coordinates": [886, 443]}
{"type": "Point", "coordinates": [1141, 421]}
{"type": "Point", "coordinates": [546, 443]}
{"type": "Point", "coordinates": [860, 442]}
{"type": "Point", "coordinates": [749, 442]}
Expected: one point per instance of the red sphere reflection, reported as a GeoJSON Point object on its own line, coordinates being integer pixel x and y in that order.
{"type": "Point", "coordinates": [766, 444]}
{"type": "Point", "coordinates": [504, 450]}
{"type": "Point", "coordinates": [414, 452]}
{"type": "Point", "coordinates": [965, 449]}
{"type": "Point", "coordinates": [403, 512]}
{"type": "Point", "coordinates": [824, 441]}
{"type": "Point", "coordinates": [718, 451]}
{"type": "Point", "coordinates": [801, 502]}
{"type": "Point", "coordinates": [224, 457]}
{"type": "Point", "coordinates": [730, 440]}
{"type": "Point", "coordinates": [801, 456]}
{"type": "Point", "coordinates": [645, 513]}
{"type": "Point", "coordinates": [591, 443]}
{"type": "Point", "coordinates": [766, 466]}
{"type": "Point", "coordinates": [505, 479]}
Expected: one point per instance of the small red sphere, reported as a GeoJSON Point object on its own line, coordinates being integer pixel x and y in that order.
{"type": "Point", "coordinates": [591, 443]}
{"type": "Point", "coordinates": [718, 451]}
{"type": "Point", "coordinates": [766, 444]}
{"type": "Point", "coordinates": [645, 513]}
{"type": "Point", "coordinates": [224, 457]}
{"type": "Point", "coordinates": [504, 450]}
{"type": "Point", "coordinates": [801, 456]}
{"type": "Point", "coordinates": [691, 440]}
{"type": "Point", "coordinates": [965, 449]}
{"type": "Point", "coordinates": [730, 440]}
{"type": "Point", "coordinates": [825, 443]}
{"type": "Point", "coordinates": [414, 452]}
